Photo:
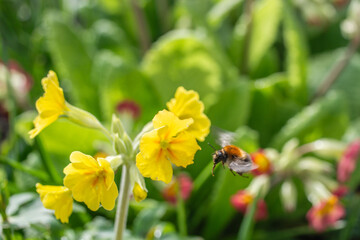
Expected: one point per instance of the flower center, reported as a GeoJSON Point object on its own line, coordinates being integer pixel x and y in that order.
{"type": "Point", "coordinates": [164, 144]}
{"type": "Point", "coordinates": [328, 207]}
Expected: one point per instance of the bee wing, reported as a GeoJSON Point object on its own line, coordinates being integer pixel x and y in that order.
{"type": "Point", "coordinates": [223, 137]}
{"type": "Point", "coordinates": [240, 166]}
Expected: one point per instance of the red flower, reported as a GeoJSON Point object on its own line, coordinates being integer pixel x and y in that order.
{"type": "Point", "coordinates": [170, 191]}
{"type": "Point", "coordinates": [130, 107]}
{"type": "Point", "coordinates": [263, 163]}
{"type": "Point", "coordinates": [242, 199]}
{"type": "Point", "coordinates": [325, 214]}
{"type": "Point", "coordinates": [348, 161]}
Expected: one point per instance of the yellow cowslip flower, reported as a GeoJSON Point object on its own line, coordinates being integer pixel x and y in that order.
{"type": "Point", "coordinates": [50, 106]}
{"type": "Point", "coordinates": [91, 181]}
{"type": "Point", "coordinates": [57, 198]}
{"type": "Point", "coordinates": [139, 193]}
{"type": "Point", "coordinates": [186, 104]}
{"type": "Point", "coordinates": [167, 143]}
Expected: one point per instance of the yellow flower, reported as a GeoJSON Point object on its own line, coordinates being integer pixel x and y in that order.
{"type": "Point", "coordinates": [186, 104]}
{"type": "Point", "coordinates": [50, 106]}
{"type": "Point", "coordinates": [57, 198]}
{"type": "Point", "coordinates": [139, 193]}
{"type": "Point", "coordinates": [167, 143]}
{"type": "Point", "coordinates": [91, 181]}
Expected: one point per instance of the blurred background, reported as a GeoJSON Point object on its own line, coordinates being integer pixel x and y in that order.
{"type": "Point", "coordinates": [282, 75]}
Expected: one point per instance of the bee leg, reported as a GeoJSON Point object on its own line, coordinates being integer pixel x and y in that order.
{"type": "Point", "coordinates": [232, 172]}
{"type": "Point", "coordinates": [223, 165]}
{"type": "Point", "coordinates": [212, 172]}
{"type": "Point", "coordinates": [241, 174]}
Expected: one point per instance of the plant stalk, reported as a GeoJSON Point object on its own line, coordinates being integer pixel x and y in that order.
{"type": "Point", "coordinates": [123, 203]}
{"type": "Point", "coordinates": [181, 214]}
{"type": "Point", "coordinates": [337, 69]}
{"type": "Point", "coordinates": [248, 12]}
{"type": "Point", "coordinates": [141, 23]}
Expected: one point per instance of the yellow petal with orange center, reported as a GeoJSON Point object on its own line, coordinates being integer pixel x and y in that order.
{"type": "Point", "coordinates": [91, 181]}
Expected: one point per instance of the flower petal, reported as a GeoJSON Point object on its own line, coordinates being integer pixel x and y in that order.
{"type": "Point", "coordinates": [150, 144]}
{"type": "Point", "coordinates": [182, 149]}
{"type": "Point", "coordinates": [109, 196]}
{"type": "Point", "coordinates": [157, 169]}
{"type": "Point", "coordinates": [186, 105]}
{"type": "Point", "coordinates": [57, 198]}
{"type": "Point", "coordinates": [175, 125]}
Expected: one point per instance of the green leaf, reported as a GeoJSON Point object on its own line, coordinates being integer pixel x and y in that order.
{"type": "Point", "coordinates": [63, 137]}
{"type": "Point", "coordinates": [233, 106]}
{"type": "Point", "coordinates": [220, 10]}
{"type": "Point", "coordinates": [266, 19]}
{"type": "Point", "coordinates": [122, 81]}
{"type": "Point", "coordinates": [182, 59]}
{"type": "Point", "coordinates": [147, 218]}
{"type": "Point", "coordinates": [220, 210]}
{"type": "Point", "coordinates": [296, 50]}
{"type": "Point", "coordinates": [271, 107]}
{"type": "Point", "coordinates": [72, 59]}
{"type": "Point", "coordinates": [327, 117]}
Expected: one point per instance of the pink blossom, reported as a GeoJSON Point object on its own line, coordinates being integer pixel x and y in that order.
{"type": "Point", "coordinates": [170, 192]}
{"type": "Point", "coordinates": [242, 199]}
{"type": "Point", "coordinates": [325, 214]}
{"type": "Point", "coordinates": [347, 163]}
{"type": "Point", "coordinates": [130, 107]}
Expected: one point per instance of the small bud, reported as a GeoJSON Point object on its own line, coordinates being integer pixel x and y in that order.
{"type": "Point", "coordinates": [117, 126]}
{"type": "Point", "coordinates": [119, 145]}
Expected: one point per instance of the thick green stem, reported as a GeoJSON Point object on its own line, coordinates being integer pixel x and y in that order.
{"type": "Point", "coordinates": [123, 203]}
{"type": "Point", "coordinates": [181, 215]}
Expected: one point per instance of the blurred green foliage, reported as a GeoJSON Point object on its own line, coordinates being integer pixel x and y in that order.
{"type": "Point", "coordinates": [257, 79]}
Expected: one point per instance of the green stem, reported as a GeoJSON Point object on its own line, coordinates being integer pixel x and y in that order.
{"type": "Point", "coordinates": [248, 221]}
{"type": "Point", "coordinates": [248, 8]}
{"type": "Point", "coordinates": [336, 71]}
{"type": "Point", "coordinates": [140, 19]}
{"type": "Point", "coordinates": [16, 165]}
{"type": "Point", "coordinates": [181, 215]}
{"type": "Point", "coordinates": [123, 203]}
{"type": "Point", "coordinates": [48, 164]}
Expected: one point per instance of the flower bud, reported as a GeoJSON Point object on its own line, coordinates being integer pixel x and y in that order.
{"type": "Point", "coordinates": [119, 145]}
{"type": "Point", "coordinates": [82, 117]}
{"type": "Point", "coordinates": [116, 126]}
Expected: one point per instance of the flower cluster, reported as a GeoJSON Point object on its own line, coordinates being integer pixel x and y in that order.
{"type": "Point", "coordinates": [280, 168]}
{"type": "Point", "coordinates": [173, 139]}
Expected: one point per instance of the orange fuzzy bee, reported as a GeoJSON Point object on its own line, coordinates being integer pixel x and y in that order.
{"type": "Point", "coordinates": [231, 156]}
